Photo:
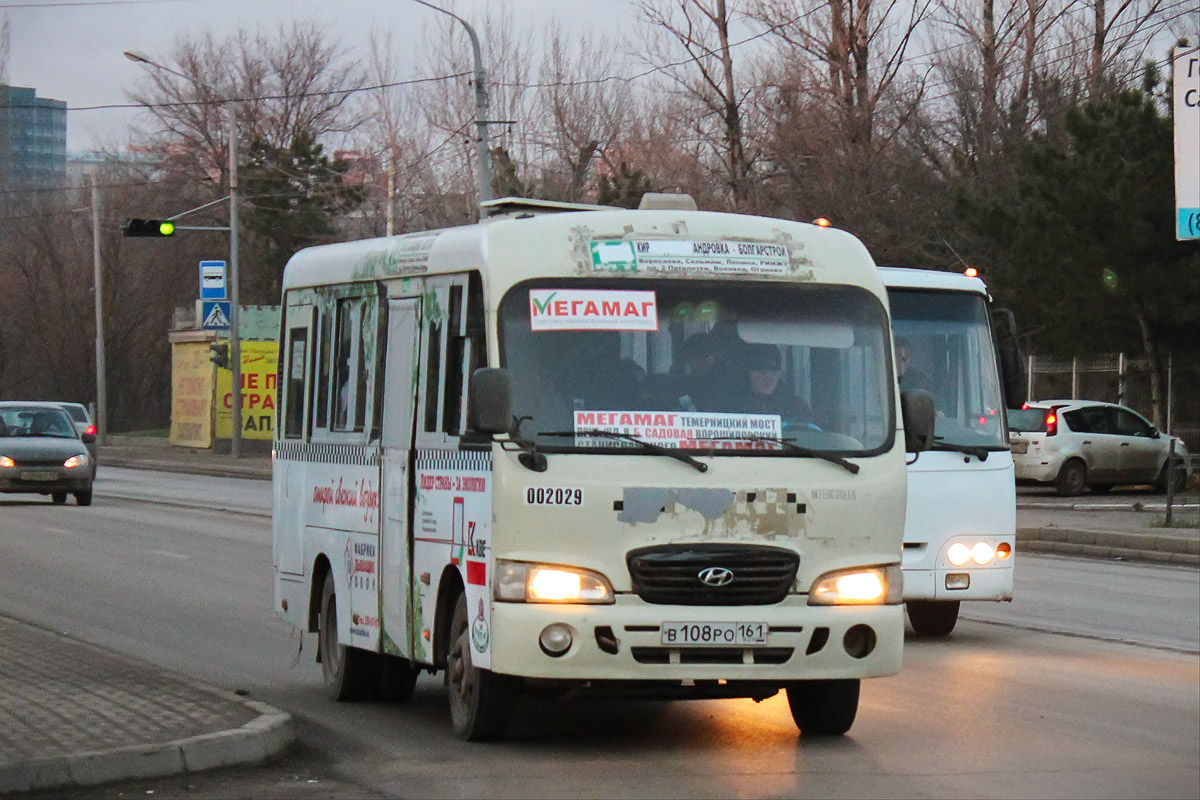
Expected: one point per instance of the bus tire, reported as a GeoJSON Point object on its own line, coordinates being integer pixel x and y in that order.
{"type": "Point", "coordinates": [932, 617]}
{"type": "Point", "coordinates": [397, 678]}
{"type": "Point", "coordinates": [481, 701]}
{"type": "Point", "coordinates": [350, 673]}
{"type": "Point", "coordinates": [823, 708]}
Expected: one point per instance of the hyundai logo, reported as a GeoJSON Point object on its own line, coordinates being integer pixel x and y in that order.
{"type": "Point", "coordinates": [716, 576]}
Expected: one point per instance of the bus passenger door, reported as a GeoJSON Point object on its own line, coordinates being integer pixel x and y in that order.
{"type": "Point", "coordinates": [291, 435]}
{"type": "Point", "coordinates": [399, 397]}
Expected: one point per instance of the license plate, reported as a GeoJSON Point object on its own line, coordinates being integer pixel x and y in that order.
{"type": "Point", "coordinates": [719, 634]}
{"type": "Point", "coordinates": [39, 476]}
{"type": "Point", "coordinates": [1020, 447]}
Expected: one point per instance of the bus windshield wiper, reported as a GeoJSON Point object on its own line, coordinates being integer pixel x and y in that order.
{"type": "Point", "coordinates": [650, 447]}
{"type": "Point", "coordinates": [979, 451]}
{"type": "Point", "coordinates": [791, 446]}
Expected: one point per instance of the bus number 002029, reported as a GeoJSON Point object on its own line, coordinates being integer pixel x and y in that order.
{"type": "Point", "coordinates": [553, 496]}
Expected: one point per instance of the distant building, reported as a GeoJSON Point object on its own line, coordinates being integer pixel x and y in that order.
{"type": "Point", "coordinates": [33, 138]}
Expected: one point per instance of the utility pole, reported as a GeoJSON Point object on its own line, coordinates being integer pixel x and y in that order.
{"type": "Point", "coordinates": [483, 142]}
{"type": "Point", "coordinates": [97, 272]}
{"type": "Point", "coordinates": [235, 313]}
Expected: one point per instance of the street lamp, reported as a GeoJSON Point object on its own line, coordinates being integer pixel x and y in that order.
{"type": "Point", "coordinates": [235, 345]}
{"type": "Point", "coordinates": [481, 110]}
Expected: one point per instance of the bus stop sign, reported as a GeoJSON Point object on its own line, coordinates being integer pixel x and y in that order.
{"type": "Point", "coordinates": [213, 283]}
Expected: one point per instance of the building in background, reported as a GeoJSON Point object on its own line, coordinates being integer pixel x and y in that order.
{"type": "Point", "coordinates": [33, 139]}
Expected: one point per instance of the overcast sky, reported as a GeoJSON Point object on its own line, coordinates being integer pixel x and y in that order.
{"type": "Point", "coordinates": [71, 49]}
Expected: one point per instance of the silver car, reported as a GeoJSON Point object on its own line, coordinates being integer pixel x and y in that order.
{"type": "Point", "coordinates": [41, 452]}
{"type": "Point", "coordinates": [1081, 443]}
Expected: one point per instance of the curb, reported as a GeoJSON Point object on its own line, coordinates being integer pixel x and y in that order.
{"type": "Point", "coordinates": [264, 737]}
{"type": "Point", "coordinates": [1150, 548]}
{"type": "Point", "coordinates": [250, 472]}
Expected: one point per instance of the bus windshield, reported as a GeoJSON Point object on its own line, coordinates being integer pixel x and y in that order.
{"type": "Point", "coordinates": [720, 366]}
{"type": "Point", "coordinates": [944, 346]}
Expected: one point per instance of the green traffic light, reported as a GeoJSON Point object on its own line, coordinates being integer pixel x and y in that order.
{"type": "Point", "coordinates": [166, 227]}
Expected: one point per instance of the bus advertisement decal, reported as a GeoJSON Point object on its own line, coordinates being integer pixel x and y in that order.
{"type": "Point", "coordinates": [694, 430]}
{"type": "Point", "coordinates": [592, 310]}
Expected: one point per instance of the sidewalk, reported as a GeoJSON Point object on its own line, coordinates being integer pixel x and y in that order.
{"type": "Point", "coordinates": [72, 714]}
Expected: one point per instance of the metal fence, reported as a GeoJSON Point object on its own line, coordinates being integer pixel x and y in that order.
{"type": "Point", "coordinates": [1116, 378]}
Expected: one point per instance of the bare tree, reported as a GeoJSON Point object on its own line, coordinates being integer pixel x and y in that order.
{"type": "Point", "coordinates": [294, 80]}
{"type": "Point", "coordinates": [700, 29]}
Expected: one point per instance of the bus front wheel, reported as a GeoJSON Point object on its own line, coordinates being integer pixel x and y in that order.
{"type": "Point", "coordinates": [480, 700]}
{"type": "Point", "coordinates": [933, 617]}
{"type": "Point", "coordinates": [349, 673]}
{"type": "Point", "coordinates": [823, 708]}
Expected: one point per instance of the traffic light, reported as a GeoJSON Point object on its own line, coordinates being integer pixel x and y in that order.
{"type": "Point", "coordinates": [220, 354]}
{"type": "Point", "coordinates": [149, 227]}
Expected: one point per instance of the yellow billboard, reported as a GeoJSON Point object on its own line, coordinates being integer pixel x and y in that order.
{"type": "Point", "coordinates": [191, 394]}
{"type": "Point", "coordinates": [259, 360]}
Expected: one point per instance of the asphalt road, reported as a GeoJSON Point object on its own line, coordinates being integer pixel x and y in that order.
{"type": "Point", "coordinates": [999, 710]}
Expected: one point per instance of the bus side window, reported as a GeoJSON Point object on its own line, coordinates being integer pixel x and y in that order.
{"type": "Point", "coordinates": [433, 374]}
{"type": "Point", "coordinates": [297, 366]}
{"type": "Point", "coordinates": [321, 386]}
{"type": "Point", "coordinates": [455, 350]}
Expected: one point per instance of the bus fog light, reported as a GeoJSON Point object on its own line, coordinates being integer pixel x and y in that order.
{"type": "Point", "coordinates": [982, 553]}
{"type": "Point", "coordinates": [958, 580]}
{"type": "Point", "coordinates": [556, 639]}
{"type": "Point", "coordinates": [859, 641]}
{"type": "Point", "coordinates": [958, 554]}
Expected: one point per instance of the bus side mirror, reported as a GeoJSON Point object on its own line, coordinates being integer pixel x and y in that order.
{"type": "Point", "coordinates": [1013, 373]}
{"type": "Point", "coordinates": [916, 407]}
{"type": "Point", "coordinates": [489, 404]}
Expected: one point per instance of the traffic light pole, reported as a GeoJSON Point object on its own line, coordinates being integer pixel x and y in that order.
{"type": "Point", "coordinates": [101, 382]}
{"type": "Point", "coordinates": [235, 313]}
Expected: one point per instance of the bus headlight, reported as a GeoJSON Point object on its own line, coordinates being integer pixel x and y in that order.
{"type": "Point", "coordinates": [858, 586]}
{"type": "Point", "coordinates": [982, 553]}
{"type": "Point", "coordinates": [525, 582]}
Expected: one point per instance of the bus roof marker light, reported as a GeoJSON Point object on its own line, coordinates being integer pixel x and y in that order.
{"type": "Point", "coordinates": [821, 222]}
{"type": "Point", "coordinates": [971, 272]}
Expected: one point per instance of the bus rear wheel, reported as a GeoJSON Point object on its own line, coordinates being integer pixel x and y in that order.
{"type": "Point", "coordinates": [932, 617]}
{"type": "Point", "coordinates": [824, 708]}
{"type": "Point", "coordinates": [481, 701]}
{"type": "Point", "coordinates": [349, 673]}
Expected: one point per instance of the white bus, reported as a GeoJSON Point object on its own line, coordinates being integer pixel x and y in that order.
{"type": "Point", "coordinates": [960, 523]}
{"type": "Point", "coordinates": [499, 455]}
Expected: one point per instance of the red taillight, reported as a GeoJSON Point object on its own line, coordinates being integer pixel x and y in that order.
{"type": "Point", "coordinates": [1024, 406]}
{"type": "Point", "coordinates": [90, 429]}
{"type": "Point", "coordinates": [1051, 424]}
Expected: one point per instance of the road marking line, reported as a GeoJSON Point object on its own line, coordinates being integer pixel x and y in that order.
{"type": "Point", "coordinates": [169, 554]}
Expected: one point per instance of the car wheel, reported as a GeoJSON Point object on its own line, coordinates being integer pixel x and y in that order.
{"type": "Point", "coordinates": [823, 708]}
{"type": "Point", "coordinates": [1071, 478]}
{"type": "Point", "coordinates": [481, 701]}
{"type": "Point", "coordinates": [59, 498]}
{"type": "Point", "coordinates": [84, 498]}
{"type": "Point", "coordinates": [933, 618]}
{"type": "Point", "coordinates": [349, 673]}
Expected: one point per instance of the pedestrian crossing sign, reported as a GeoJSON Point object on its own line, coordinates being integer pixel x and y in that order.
{"type": "Point", "coordinates": [215, 314]}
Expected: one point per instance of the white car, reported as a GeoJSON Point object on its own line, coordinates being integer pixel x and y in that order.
{"type": "Point", "coordinates": [1078, 443]}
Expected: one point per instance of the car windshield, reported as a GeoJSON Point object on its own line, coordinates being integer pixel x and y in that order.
{"type": "Point", "coordinates": [698, 365]}
{"type": "Point", "coordinates": [1027, 420]}
{"type": "Point", "coordinates": [944, 346]}
{"type": "Point", "coordinates": [35, 421]}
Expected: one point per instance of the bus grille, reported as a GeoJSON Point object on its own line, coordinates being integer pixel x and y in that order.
{"type": "Point", "coordinates": [712, 655]}
{"type": "Point", "coordinates": [671, 574]}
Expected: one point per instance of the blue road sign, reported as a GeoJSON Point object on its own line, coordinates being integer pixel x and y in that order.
{"type": "Point", "coordinates": [213, 283]}
{"type": "Point", "coordinates": [215, 314]}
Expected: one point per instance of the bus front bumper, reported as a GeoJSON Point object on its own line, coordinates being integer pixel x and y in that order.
{"type": "Point", "coordinates": [988, 583]}
{"type": "Point", "coordinates": [624, 642]}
